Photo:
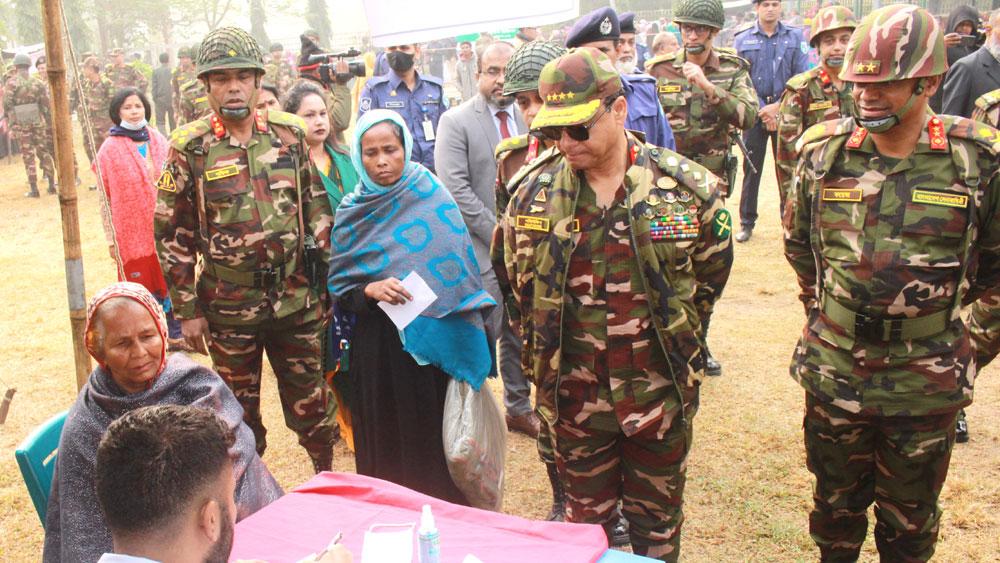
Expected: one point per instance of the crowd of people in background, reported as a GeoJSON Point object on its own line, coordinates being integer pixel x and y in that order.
{"type": "Point", "coordinates": [563, 194]}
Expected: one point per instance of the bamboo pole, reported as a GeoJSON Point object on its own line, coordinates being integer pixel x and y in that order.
{"type": "Point", "coordinates": [63, 134]}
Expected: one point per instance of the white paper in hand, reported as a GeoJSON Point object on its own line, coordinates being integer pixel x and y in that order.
{"type": "Point", "coordinates": [423, 296]}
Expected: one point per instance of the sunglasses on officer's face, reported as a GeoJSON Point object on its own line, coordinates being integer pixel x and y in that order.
{"type": "Point", "coordinates": [579, 133]}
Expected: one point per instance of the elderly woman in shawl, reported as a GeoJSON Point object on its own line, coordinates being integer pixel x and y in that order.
{"type": "Point", "coordinates": [127, 335]}
{"type": "Point", "coordinates": [401, 220]}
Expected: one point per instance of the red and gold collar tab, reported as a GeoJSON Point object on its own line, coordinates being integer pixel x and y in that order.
{"type": "Point", "coordinates": [260, 120]}
{"type": "Point", "coordinates": [824, 77]}
{"type": "Point", "coordinates": [935, 131]}
{"type": "Point", "coordinates": [857, 138]}
{"type": "Point", "coordinates": [217, 127]}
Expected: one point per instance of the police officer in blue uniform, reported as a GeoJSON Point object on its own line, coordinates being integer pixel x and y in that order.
{"type": "Point", "coordinates": [776, 52]}
{"type": "Point", "coordinates": [418, 98]}
{"type": "Point", "coordinates": [601, 30]}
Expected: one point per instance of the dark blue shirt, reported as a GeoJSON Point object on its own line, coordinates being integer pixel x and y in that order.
{"type": "Point", "coordinates": [425, 104]}
{"type": "Point", "coordinates": [645, 113]}
{"type": "Point", "coordinates": [773, 60]}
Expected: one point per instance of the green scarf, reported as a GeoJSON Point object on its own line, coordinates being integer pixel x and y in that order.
{"type": "Point", "coordinates": [344, 178]}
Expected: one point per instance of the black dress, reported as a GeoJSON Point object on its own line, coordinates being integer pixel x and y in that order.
{"type": "Point", "coordinates": [397, 407]}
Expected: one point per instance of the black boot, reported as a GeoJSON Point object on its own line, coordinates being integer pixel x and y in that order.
{"type": "Point", "coordinates": [52, 186]}
{"type": "Point", "coordinates": [558, 511]}
{"type": "Point", "coordinates": [961, 428]}
{"type": "Point", "coordinates": [32, 190]}
{"type": "Point", "coordinates": [617, 530]}
{"type": "Point", "coordinates": [712, 366]}
{"type": "Point", "coordinates": [324, 464]}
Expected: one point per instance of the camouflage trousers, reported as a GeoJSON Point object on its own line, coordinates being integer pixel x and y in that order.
{"type": "Point", "coordinates": [984, 327]}
{"type": "Point", "coordinates": [31, 141]}
{"type": "Point", "coordinates": [899, 463]}
{"type": "Point", "coordinates": [599, 465]}
{"type": "Point", "coordinates": [100, 133]}
{"type": "Point", "coordinates": [294, 349]}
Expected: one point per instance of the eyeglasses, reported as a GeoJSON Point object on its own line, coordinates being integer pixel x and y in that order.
{"type": "Point", "coordinates": [698, 30]}
{"type": "Point", "coordinates": [578, 133]}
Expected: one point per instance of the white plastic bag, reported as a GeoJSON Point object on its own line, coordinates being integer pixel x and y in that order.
{"type": "Point", "coordinates": [475, 444]}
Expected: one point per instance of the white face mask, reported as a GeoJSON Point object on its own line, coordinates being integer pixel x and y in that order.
{"type": "Point", "coordinates": [134, 126]}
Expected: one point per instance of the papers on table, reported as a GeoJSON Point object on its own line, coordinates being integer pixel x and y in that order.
{"type": "Point", "coordinates": [423, 296]}
{"type": "Point", "coordinates": [388, 543]}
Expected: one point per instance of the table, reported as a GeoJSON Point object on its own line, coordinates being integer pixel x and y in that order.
{"type": "Point", "coordinates": [305, 519]}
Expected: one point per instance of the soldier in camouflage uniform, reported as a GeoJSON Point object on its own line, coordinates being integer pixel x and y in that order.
{"type": "Point", "coordinates": [238, 192]}
{"type": "Point", "coordinates": [124, 75]}
{"type": "Point", "coordinates": [194, 102]}
{"type": "Point", "coordinates": [277, 71]}
{"type": "Point", "coordinates": [892, 223]}
{"type": "Point", "coordinates": [26, 105]}
{"type": "Point", "coordinates": [97, 94]}
{"type": "Point", "coordinates": [708, 97]}
{"type": "Point", "coordinates": [182, 75]}
{"type": "Point", "coordinates": [987, 108]}
{"type": "Point", "coordinates": [609, 244]}
{"type": "Point", "coordinates": [815, 95]}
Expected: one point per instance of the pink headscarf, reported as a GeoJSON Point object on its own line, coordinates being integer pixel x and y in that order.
{"type": "Point", "coordinates": [140, 295]}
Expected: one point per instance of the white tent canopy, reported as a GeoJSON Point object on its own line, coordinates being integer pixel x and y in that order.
{"type": "Point", "coordinates": [400, 22]}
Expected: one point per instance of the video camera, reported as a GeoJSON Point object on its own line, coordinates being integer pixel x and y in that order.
{"type": "Point", "coordinates": [328, 66]}
{"type": "Point", "coordinates": [975, 40]}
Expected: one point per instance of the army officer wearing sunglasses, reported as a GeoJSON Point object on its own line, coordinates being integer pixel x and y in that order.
{"type": "Point", "coordinates": [610, 245]}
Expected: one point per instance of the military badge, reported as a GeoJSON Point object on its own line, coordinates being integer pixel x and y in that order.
{"type": "Point", "coordinates": [868, 67]}
{"type": "Point", "coordinates": [826, 104]}
{"type": "Point", "coordinates": [527, 222]}
{"type": "Point", "coordinates": [166, 182]}
{"type": "Point", "coordinates": [722, 223]}
{"type": "Point", "coordinates": [944, 199]}
{"type": "Point", "coordinates": [222, 172]}
{"type": "Point", "coordinates": [666, 182]}
{"type": "Point", "coordinates": [605, 26]}
{"type": "Point", "coordinates": [541, 197]}
{"type": "Point", "coordinates": [842, 194]}
{"type": "Point", "coordinates": [669, 88]}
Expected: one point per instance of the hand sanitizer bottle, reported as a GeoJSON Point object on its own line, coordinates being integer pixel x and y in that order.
{"type": "Point", "coordinates": [427, 538]}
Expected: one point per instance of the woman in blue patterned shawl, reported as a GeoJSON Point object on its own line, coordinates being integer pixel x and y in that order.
{"type": "Point", "coordinates": [398, 220]}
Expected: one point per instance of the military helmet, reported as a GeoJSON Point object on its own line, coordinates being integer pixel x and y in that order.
{"type": "Point", "coordinates": [184, 52]}
{"type": "Point", "coordinates": [701, 12]}
{"type": "Point", "coordinates": [525, 65]}
{"type": "Point", "coordinates": [229, 48]}
{"type": "Point", "coordinates": [276, 47]}
{"type": "Point", "coordinates": [896, 42]}
{"type": "Point", "coordinates": [830, 18]}
{"type": "Point", "coordinates": [21, 59]}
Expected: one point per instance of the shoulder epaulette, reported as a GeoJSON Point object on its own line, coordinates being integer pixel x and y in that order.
{"type": "Point", "coordinates": [825, 130]}
{"type": "Point", "coordinates": [686, 171]}
{"type": "Point", "coordinates": [189, 84]}
{"type": "Point", "coordinates": [432, 79]}
{"type": "Point", "coordinates": [286, 119]}
{"type": "Point", "coordinates": [980, 133]}
{"type": "Point", "coordinates": [800, 80]}
{"type": "Point", "coordinates": [543, 159]}
{"type": "Point", "coordinates": [181, 136]}
{"type": "Point", "coordinates": [988, 100]}
{"type": "Point", "coordinates": [744, 28]}
{"type": "Point", "coordinates": [730, 55]}
{"type": "Point", "coordinates": [511, 144]}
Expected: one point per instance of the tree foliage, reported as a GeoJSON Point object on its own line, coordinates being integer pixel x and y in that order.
{"type": "Point", "coordinates": [28, 21]}
{"type": "Point", "coordinates": [318, 19]}
{"type": "Point", "coordinates": [258, 20]}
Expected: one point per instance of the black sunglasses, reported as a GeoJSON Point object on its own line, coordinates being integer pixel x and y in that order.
{"type": "Point", "coordinates": [578, 133]}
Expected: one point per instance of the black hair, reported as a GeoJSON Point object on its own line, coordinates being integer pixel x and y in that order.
{"type": "Point", "coordinates": [469, 43]}
{"type": "Point", "coordinates": [153, 461]}
{"type": "Point", "coordinates": [119, 100]}
{"type": "Point", "coordinates": [164, 58]}
{"type": "Point", "coordinates": [294, 97]}
{"type": "Point", "coordinates": [397, 131]}
{"type": "Point", "coordinates": [270, 88]}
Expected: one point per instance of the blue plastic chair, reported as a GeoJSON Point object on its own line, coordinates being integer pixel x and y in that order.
{"type": "Point", "coordinates": [36, 456]}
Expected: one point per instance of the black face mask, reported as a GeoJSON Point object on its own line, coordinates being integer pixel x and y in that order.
{"type": "Point", "coordinates": [399, 61]}
{"type": "Point", "coordinates": [694, 49]}
{"type": "Point", "coordinates": [835, 62]}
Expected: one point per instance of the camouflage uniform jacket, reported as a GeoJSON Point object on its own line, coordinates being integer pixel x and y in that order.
{"type": "Point", "coordinates": [254, 196]}
{"type": "Point", "coordinates": [987, 108]}
{"type": "Point", "coordinates": [23, 90]}
{"type": "Point", "coordinates": [97, 96]}
{"type": "Point", "coordinates": [281, 74]}
{"type": "Point", "coordinates": [896, 240]}
{"type": "Point", "coordinates": [125, 76]}
{"type": "Point", "coordinates": [193, 102]}
{"type": "Point", "coordinates": [702, 126]}
{"type": "Point", "coordinates": [809, 98]}
{"type": "Point", "coordinates": [539, 232]}
{"type": "Point", "coordinates": [179, 78]}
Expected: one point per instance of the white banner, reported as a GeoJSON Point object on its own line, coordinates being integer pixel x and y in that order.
{"type": "Point", "coordinates": [401, 22]}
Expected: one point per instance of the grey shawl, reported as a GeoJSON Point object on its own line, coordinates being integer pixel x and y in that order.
{"type": "Point", "coordinates": [74, 527]}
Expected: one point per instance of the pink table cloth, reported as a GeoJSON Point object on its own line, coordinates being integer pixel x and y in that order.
{"type": "Point", "coordinates": [307, 518]}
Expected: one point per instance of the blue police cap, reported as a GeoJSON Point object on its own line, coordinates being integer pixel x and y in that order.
{"type": "Point", "coordinates": [599, 25]}
{"type": "Point", "coordinates": [626, 22]}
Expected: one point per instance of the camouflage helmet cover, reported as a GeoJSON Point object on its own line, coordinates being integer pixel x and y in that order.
{"type": "Point", "coordinates": [21, 59]}
{"type": "Point", "coordinates": [574, 86]}
{"type": "Point", "coordinates": [184, 52]}
{"type": "Point", "coordinates": [830, 18]}
{"type": "Point", "coordinates": [229, 48]}
{"type": "Point", "coordinates": [895, 43]}
{"type": "Point", "coordinates": [525, 65]}
{"type": "Point", "coordinates": [701, 12]}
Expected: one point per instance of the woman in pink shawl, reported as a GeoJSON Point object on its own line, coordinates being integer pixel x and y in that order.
{"type": "Point", "coordinates": [127, 167]}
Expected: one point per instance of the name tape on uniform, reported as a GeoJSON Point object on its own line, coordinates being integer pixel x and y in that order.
{"type": "Point", "coordinates": [540, 224]}
{"type": "Point", "coordinates": [842, 194]}
{"type": "Point", "coordinates": [940, 198]}
{"type": "Point", "coordinates": [827, 104]}
{"type": "Point", "coordinates": [223, 172]}
{"type": "Point", "coordinates": [670, 88]}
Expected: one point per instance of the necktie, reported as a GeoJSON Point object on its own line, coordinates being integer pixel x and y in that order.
{"type": "Point", "coordinates": [504, 130]}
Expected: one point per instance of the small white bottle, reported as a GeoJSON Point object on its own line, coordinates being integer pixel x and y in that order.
{"type": "Point", "coordinates": [428, 540]}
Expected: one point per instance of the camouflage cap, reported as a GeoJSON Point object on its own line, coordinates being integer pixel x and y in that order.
{"type": "Point", "coordinates": [830, 18]}
{"type": "Point", "coordinates": [573, 87]}
{"type": "Point", "coordinates": [525, 65]}
{"type": "Point", "coordinates": [229, 48]}
{"type": "Point", "coordinates": [896, 42]}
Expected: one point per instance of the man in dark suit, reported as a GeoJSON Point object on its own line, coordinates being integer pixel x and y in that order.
{"type": "Point", "coordinates": [974, 75]}
{"type": "Point", "coordinates": [464, 156]}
